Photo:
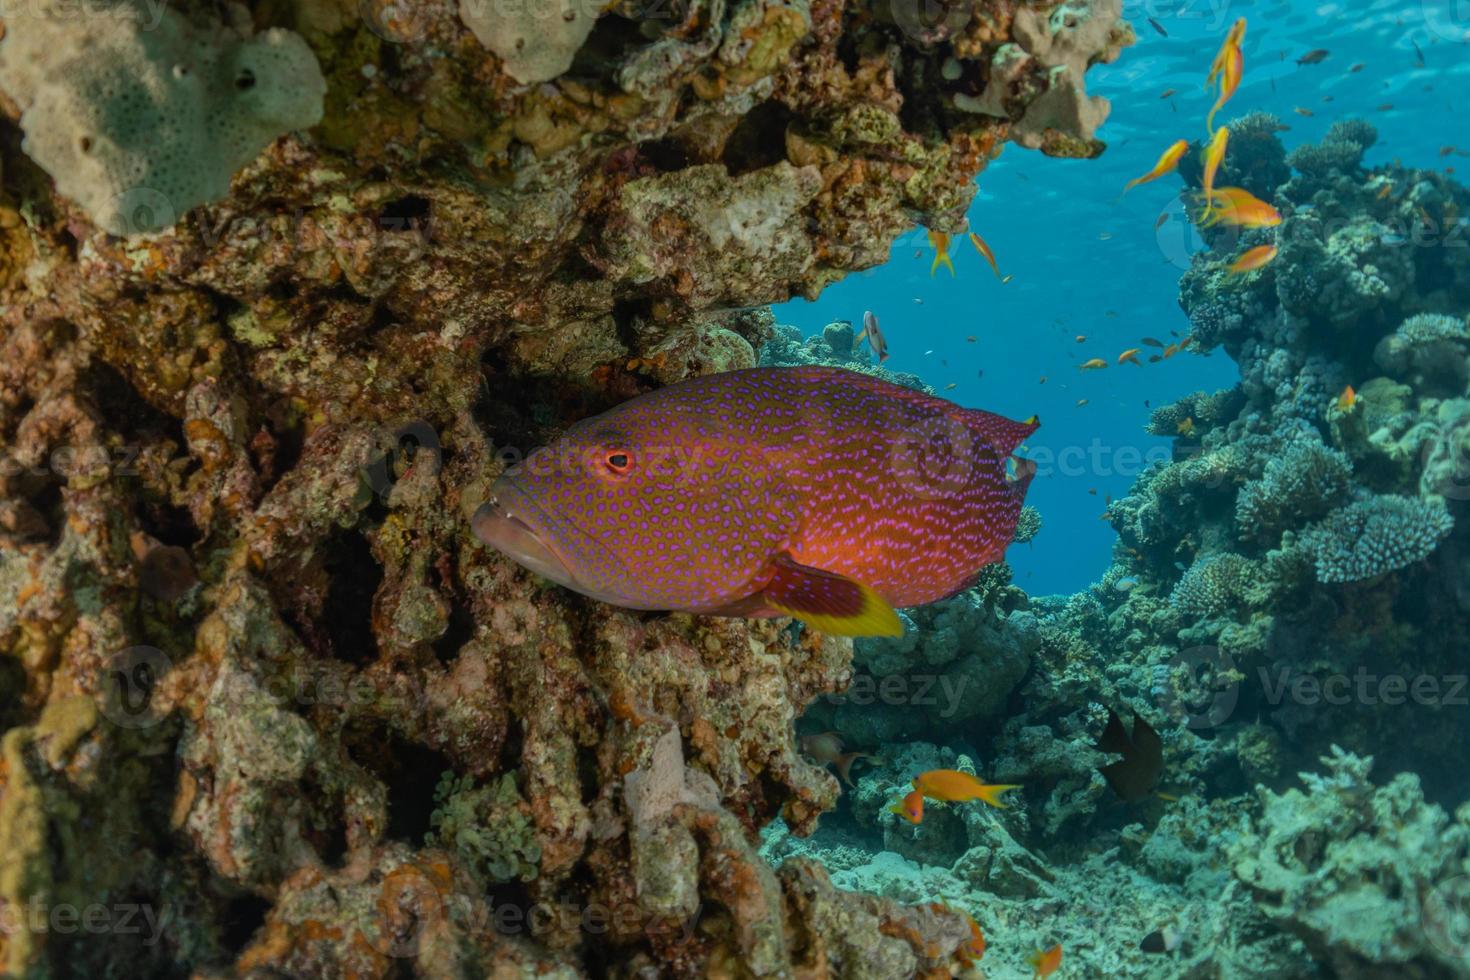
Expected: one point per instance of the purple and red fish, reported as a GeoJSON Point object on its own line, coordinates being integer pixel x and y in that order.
{"type": "Point", "coordinates": [812, 492]}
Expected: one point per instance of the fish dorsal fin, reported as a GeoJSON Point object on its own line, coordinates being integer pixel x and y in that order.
{"type": "Point", "coordinates": [1002, 433]}
{"type": "Point", "coordinates": [828, 602]}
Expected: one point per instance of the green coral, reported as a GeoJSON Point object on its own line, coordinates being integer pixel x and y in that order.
{"type": "Point", "coordinates": [1028, 525]}
{"type": "Point", "coordinates": [489, 827]}
{"type": "Point", "coordinates": [1374, 535]}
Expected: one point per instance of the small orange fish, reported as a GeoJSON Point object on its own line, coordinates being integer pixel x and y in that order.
{"type": "Point", "coordinates": [1097, 363]}
{"type": "Point", "coordinates": [1185, 428]}
{"type": "Point", "coordinates": [1167, 161]}
{"type": "Point", "coordinates": [1170, 351]}
{"type": "Point", "coordinates": [1214, 156]}
{"type": "Point", "coordinates": [984, 250]}
{"type": "Point", "coordinates": [911, 808]}
{"type": "Point", "coordinates": [975, 946]}
{"type": "Point", "coordinates": [951, 386]}
{"type": "Point", "coordinates": [1384, 191]}
{"type": "Point", "coordinates": [1300, 111]}
{"type": "Point", "coordinates": [1045, 961]}
{"type": "Point", "coordinates": [1081, 338]}
{"type": "Point", "coordinates": [1229, 81]}
{"type": "Point", "coordinates": [1232, 41]}
{"type": "Point", "coordinates": [1347, 399]}
{"type": "Point", "coordinates": [1252, 259]}
{"type": "Point", "coordinates": [940, 241]}
{"type": "Point", "coordinates": [955, 786]}
{"type": "Point", "coordinates": [1130, 356]}
{"type": "Point", "coordinates": [1240, 208]}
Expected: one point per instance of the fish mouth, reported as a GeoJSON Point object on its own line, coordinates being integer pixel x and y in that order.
{"type": "Point", "coordinates": [509, 522]}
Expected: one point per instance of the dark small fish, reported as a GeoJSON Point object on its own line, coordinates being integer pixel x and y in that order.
{"type": "Point", "coordinates": [1168, 92]}
{"type": "Point", "coordinates": [1420, 54]}
{"type": "Point", "coordinates": [1135, 776]}
{"type": "Point", "coordinates": [1164, 940]}
{"type": "Point", "coordinates": [1154, 358]}
{"type": "Point", "coordinates": [1314, 57]}
{"type": "Point", "coordinates": [1387, 106]}
{"type": "Point", "coordinates": [1158, 27]}
{"type": "Point", "coordinates": [1150, 342]}
{"type": "Point", "coordinates": [1356, 68]}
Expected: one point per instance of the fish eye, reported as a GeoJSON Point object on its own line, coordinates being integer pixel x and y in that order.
{"type": "Point", "coordinates": [614, 461]}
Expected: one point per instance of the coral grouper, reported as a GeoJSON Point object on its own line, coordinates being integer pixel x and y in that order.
{"type": "Point", "coordinates": [812, 492]}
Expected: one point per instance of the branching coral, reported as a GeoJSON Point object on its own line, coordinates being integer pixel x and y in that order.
{"type": "Point", "coordinates": [1299, 486]}
{"type": "Point", "coordinates": [1370, 878]}
{"type": "Point", "coordinates": [1213, 585]}
{"type": "Point", "coordinates": [1374, 535]}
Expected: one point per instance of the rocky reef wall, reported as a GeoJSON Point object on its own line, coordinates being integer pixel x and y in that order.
{"type": "Point", "coordinates": [265, 706]}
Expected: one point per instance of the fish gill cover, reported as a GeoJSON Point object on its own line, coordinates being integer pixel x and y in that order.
{"type": "Point", "coordinates": [268, 708]}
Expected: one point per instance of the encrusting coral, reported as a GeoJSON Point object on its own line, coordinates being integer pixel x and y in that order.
{"type": "Point", "coordinates": [303, 366]}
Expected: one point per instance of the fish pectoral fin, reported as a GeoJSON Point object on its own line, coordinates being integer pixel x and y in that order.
{"type": "Point", "coordinates": [828, 602]}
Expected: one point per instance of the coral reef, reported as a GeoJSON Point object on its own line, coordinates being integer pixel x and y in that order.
{"type": "Point", "coordinates": [1290, 581]}
{"type": "Point", "coordinates": [139, 115]}
{"type": "Point", "coordinates": [258, 680]}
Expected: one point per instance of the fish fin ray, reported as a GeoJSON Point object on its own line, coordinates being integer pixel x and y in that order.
{"type": "Point", "coordinates": [828, 602]}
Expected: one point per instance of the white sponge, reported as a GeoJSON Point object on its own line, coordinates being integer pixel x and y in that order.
{"type": "Point", "coordinates": [140, 115]}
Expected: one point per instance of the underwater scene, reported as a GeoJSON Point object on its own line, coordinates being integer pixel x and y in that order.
{"type": "Point", "coordinates": [863, 489]}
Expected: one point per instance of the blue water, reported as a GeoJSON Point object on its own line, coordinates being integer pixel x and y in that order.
{"type": "Point", "coordinates": [1085, 263]}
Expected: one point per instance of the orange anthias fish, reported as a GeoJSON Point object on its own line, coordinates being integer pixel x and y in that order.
{"type": "Point", "coordinates": [827, 747]}
{"type": "Point", "coordinates": [1347, 399]}
{"type": "Point", "coordinates": [940, 241]}
{"type": "Point", "coordinates": [1230, 76]}
{"type": "Point", "coordinates": [1168, 160]}
{"type": "Point", "coordinates": [752, 493]}
{"type": "Point", "coordinates": [1252, 259]}
{"type": "Point", "coordinates": [975, 946]}
{"type": "Point", "coordinates": [1239, 207]}
{"type": "Point", "coordinates": [1096, 364]}
{"type": "Point", "coordinates": [955, 786]}
{"type": "Point", "coordinates": [1130, 356]}
{"type": "Point", "coordinates": [1045, 961]}
{"type": "Point", "coordinates": [1232, 41]}
{"type": "Point", "coordinates": [984, 250]}
{"type": "Point", "coordinates": [1214, 155]}
{"type": "Point", "coordinates": [911, 808]}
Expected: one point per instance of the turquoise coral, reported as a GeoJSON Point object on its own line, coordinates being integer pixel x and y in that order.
{"type": "Point", "coordinates": [1375, 535]}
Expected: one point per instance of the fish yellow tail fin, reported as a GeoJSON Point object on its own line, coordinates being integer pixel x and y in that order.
{"type": "Point", "coordinates": [941, 258]}
{"type": "Point", "coordinates": [991, 794]}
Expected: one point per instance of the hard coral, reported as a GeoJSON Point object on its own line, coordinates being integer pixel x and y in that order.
{"type": "Point", "coordinates": [1374, 535]}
